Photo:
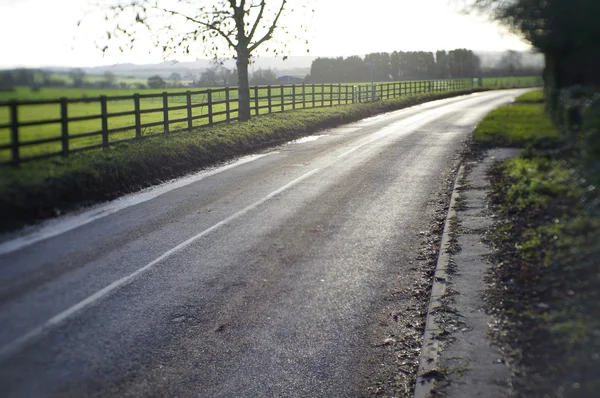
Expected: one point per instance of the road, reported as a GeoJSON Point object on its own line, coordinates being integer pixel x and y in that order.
{"type": "Point", "coordinates": [259, 278]}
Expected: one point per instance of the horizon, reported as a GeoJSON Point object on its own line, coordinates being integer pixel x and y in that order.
{"type": "Point", "coordinates": [279, 59]}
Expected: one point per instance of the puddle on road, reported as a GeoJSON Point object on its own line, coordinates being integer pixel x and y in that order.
{"type": "Point", "coordinates": [307, 139]}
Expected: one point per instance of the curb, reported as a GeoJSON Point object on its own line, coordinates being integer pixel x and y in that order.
{"type": "Point", "coordinates": [431, 348]}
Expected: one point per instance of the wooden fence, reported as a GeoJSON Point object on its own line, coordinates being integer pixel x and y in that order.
{"type": "Point", "coordinates": [37, 129]}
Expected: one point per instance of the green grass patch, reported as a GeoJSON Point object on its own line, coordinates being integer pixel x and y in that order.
{"type": "Point", "coordinates": [532, 97]}
{"type": "Point", "coordinates": [518, 125]}
{"type": "Point", "coordinates": [548, 236]}
{"type": "Point", "coordinates": [512, 82]}
{"type": "Point", "coordinates": [549, 279]}
{"type": "Point", "coordinates": [41, 189]}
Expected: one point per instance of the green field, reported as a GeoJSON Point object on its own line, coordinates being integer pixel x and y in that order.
{"type": "Point", "coordinates": [100, 78]}
{"type": "Point", "coordinates": [509, 82]}
{"type": "Point", "coordinates": [85, 102]}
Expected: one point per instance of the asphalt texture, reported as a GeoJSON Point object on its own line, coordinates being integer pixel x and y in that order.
{"type": "Point", "coordinates": [261, 278]}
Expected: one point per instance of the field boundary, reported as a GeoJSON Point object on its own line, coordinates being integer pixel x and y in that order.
{"type": "Point", "coordinates": [175, 112]}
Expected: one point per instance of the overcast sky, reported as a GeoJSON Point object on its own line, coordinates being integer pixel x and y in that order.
{"type": "Point", "coordinates": [44, 33]}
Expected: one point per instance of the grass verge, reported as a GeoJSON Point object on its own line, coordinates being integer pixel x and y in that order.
{"type": "Point", "coordinates": [43, 189]}
{"type": "Point", "coordinates": [519, 124]}
{"type": "Point", "coordinates": [546, 283]}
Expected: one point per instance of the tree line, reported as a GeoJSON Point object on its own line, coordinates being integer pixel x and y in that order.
{"type": "Point", "coordinates": [215, 75]}
{"type": "Point", "coordinates": [415, 65]}
{"type": "Point", "coordinates": [398, 65]}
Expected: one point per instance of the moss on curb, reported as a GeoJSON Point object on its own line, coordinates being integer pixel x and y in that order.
{"type": "Point", "coordinates": [39, 190]}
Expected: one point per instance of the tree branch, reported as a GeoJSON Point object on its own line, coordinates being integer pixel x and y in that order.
{"type": "Point", "coordinates": [258, 18]}
{"type": "Point", "coordinates": [209, 26]}
{"type": "Point", "coordinates": [269, 34]}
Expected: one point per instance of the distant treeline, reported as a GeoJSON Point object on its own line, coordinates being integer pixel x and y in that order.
{"type": "Point", "coordinates": [413, 65]}
{"type": "Point", "coordinates": [215, 75]}
{"type": "Point", "coordinates": [38, 78]}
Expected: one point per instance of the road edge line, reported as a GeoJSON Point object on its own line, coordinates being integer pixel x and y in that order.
{"type": "Point", "coordinates": [431, 348]}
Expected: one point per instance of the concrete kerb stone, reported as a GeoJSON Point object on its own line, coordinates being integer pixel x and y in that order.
{"type": "Point", "coordinates": [431, 349]}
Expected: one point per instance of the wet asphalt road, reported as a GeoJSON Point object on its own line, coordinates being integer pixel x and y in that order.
{"type": "Point", "coordinates": [254, 279]}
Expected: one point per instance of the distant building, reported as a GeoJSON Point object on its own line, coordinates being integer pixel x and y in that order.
{"type": "Point", "coordinates": [287, 79]}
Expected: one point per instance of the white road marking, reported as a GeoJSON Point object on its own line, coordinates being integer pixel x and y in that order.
{"type": "Point", "coordinates": [67, 223]}
{"type": "Point", "coordinates": [18, 343]}
{"type": "Point", "coordinates": [393, 128]}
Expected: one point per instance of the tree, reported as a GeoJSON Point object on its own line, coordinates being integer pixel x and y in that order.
{"type": "Point", "coordinates": [242, 25]}
{"type": "Point", "coordinates": [77, 75]}
{"type": "Point", "coordinates": [109, 79]}
{"type": "Point", "coordinates": [7, 82]}
{"type": "Point", "coordinates": [189, 75]}
{"type": "Point", "coordinates": [227, 76]}
{"type": "Point", "coordinates": [175, 79]}
{"type": "Point", "coordinates": [567, 32]}
{"type": "Point", "coordinates": [209, 77]}
{"type": "Point", "coordinates": [510, 62]}
{"type": "Point", "coordinates": [263, 77]}
{"type": "Point", "coordinates": [156, 82]}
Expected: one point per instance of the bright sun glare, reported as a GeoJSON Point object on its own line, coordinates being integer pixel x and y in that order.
{"type": "Point", "coordinates": [337, 28]}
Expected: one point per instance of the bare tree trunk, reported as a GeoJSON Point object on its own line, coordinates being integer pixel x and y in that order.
{"type": "Point", "coordinates": [243, 87]}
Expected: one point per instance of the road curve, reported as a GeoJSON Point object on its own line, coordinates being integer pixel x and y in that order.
{"type": "Point", "coordinates": [258, 278]}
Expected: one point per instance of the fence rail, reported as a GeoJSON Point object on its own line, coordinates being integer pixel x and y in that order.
{"type": "Point", "coordinates": [37, 129]}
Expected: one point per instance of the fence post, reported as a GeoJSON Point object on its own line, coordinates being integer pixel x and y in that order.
{"type": "Point", "coordinates": [14, 132]}
{"type": "Point", "coordinates": [188, 104]}
{"type": "Point", "coordinates": [256, 110]}
{"type": "Point", "coordinates": [322, 94]}
{"type": "Point", "coordinates": [210, 107]}
{"type": "Point", "coordinates": [64, 126]}
{"type": "Point", "coordinates": [138, 115]}
{"type": "Point", "coordinates": [293, 96]}
{"type": "Point", "coordinates": [359, 94]}
{"type": "Point", "coordinates": [339, 93]}
{"type": "Point", "coordinates": [331, 95]}
{"type": "Point", "coordinates": [303, 95]}
{"type": "Point", "coordinates": [346, 94]}
{"type": "Point", "coordinates": [227, 105]}
{"type": "Point", "coordinates": [165, 98]}
{"type": "Point", "coordinates": [104, 117]}
{"type": "Point", "coordinates": [282, 98]}
{"type": "Point", "coordinates": [313, 94]}
{"type": "Point", "coordinates": [269, 97]}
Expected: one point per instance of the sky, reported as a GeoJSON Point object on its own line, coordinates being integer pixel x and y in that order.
{"type": "Point", "coordinates": [37, 33]}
